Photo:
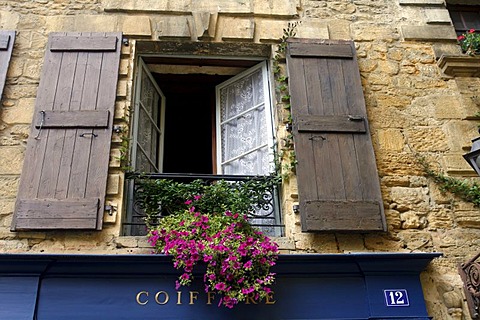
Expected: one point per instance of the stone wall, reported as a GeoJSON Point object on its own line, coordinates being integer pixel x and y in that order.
{"type": "Point", "coordinates": [412, 107]}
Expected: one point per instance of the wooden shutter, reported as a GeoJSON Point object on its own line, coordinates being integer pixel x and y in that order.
{"type": "Point", "coordinates": [338, 182]}
{"type": "Point", "coordinates": [7, 38]}
{"type": "Point", "coordinates": [63, 182]}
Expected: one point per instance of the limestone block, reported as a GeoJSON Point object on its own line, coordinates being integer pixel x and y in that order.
{"type": "Point", "coordinates": [396, 163]}
{"type": "Point", "coordinates": [393, 218]}
{"type": "Point", "coordinates": [382, 244]}
{"type": "Point", "coordinates": [22, 113]}
{"type": "Point", "coordinates": [138, 26]}
{"type": "Point", "coordinates": [391, 139]}
{"type": "Point", "coordinates": [15, 68]}
{"type": "Point", "coordinates": [167, 27]}
{"type": "Point", "coordinates": [113, 184]}
{"type": "Point", "coordinates": [388, 67]}
{"type": "Point", "coordinates": [314, 29]}
{"type": "Point", "coordinates": [13, 246]}
{"type": "Point", "coordinates": [339, 29]}
{"type": "Point", "coordinates": [33, 69]}
{"type": "Point", "coordinates": [11, 160]}
{"type": "Point", "coordinates": [407, 199]}
{"type": "Point", "coordinates": [284, 8]}
{"type": "Point", "coordinates": [122, 88]}
{"type": "Point", "coordinates": [350, 243]}
{"type": "Point", "coordinates": [395, 181]}
{"type": "Point", "coordinates": [115, 158]}
{"type": "Point", "coordinates": [440, 219]}
{"type": "Point", "coordinates": [203, 24]}
{"type": "Point", "coordinates": [367, 65]}
{"type": "Point", "coordinates": [9, 20]}
{"type": "Point", "coordinates": [237, 29]}
{"type": "Point", "coordinates": [6, 208]}
{"type": "Point", "coordinates": [322, 243]}
{"type": "Point", "coordinates": [373, 31]}
{"type": "Point", "coordinates": [103, 23]}
{"type": "Point", "coordinates": [427, 139]}
{"type": "Point", "coordinates": [411, 220]}
{"type": "Point", "coordinates": [147, 5]}
{"type": "Point", "coordinates": [422, 2]}
{"type": "Point", "coordinates": [467, 219]}
{"type": "Point", "coordinates": [416, 240]}
{"type": "Point", "coordinates": [437, 16]}
{"type": "Point", "coordinates": [120, 110]}
{"type": "Point", "coordinates": [284, 243]}
{"type": "Point", "coordinates": [269, 30]}
{"type": "Point", "coordinates": [124, 67]}
{"type": "Point", "coordinates": [429, 33]}
{"type": "Point", "coordinates": [456, 164]}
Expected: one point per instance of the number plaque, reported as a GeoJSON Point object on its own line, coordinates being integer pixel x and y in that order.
{"type": "Point", "coordinates": [396, 298]}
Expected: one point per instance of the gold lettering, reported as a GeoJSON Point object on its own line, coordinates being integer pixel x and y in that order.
{"type": "Point", "coordinates": [193, 296]}
{"type": "Point", "coordinates": [138, 298]}
{"type": "Point", "coordinates": [269, 299]}
{"type": "Point", "coordinates": [158, 295]}
{"type": "Point", "coordinates": [179, 297]}
{"type": "Point", "coordinates": [250, 297]}
{"type": "Point", "coordinates": [210, 297]}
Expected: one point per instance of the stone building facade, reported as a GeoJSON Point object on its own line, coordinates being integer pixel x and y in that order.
{"type": "Point", "coordinates": [419, 100]}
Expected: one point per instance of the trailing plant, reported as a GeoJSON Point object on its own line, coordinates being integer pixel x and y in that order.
{"type": "Point", "coordinates": [237, 257]}
{"type": "Point", "coordinates": [208, 223]}
{"type": "Point", "coordinates": [470, 42]}
{"type": "Point", "coordinates": [465, 189]}
{"type": "Point", "coordinates": [163, 197]}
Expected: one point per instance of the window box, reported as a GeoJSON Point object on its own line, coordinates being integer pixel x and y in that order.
{"type": "Point", "coordinates": [460, 65]}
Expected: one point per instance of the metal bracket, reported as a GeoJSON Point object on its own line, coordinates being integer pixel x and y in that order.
{"type": "Point", "coordinates": [94, 135]}
{"type": "Point", "coordinates": [296, 209]}
{"type": "Point", "coordinates": [125, 42]}
{"type": "Point", "coordinates": [110, 209]}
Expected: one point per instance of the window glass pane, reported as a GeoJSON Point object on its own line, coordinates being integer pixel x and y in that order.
{"type": "Point", "coordinates": [244, 147]}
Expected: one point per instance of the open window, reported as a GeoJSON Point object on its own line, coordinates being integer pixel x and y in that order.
{"type": "Point", "coordinates": [201, 118]}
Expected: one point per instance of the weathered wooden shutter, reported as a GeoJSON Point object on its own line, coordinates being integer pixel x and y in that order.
{"type": "Point", "coordinates": [7, 38]}
{"type": "Point", "coordinates": [338, 183]}
{"type": "Point", "coordinates": [63, 182]}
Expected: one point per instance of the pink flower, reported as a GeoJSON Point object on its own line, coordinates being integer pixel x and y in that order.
{"type": "Point", "coordinates": [188, 202]}
{"type": "Point", "coordinates": [471, 31]}
{"type": "Point", "coordinates": [461, 38]}
{"type": "Point", "coordinates": [220, 286]}
{"type": "Point", "coordinates": [197, 197]}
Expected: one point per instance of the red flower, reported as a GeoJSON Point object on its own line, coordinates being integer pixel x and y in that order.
{"type": "Point", "coordinates": [471, 31]}
{"type": "Point", "coordinates": [460, 38]}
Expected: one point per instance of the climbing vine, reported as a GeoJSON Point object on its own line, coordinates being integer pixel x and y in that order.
{"type": "Point", "coordinates": [286, 153]}
{"type": "Point", "coordinates": [464, 189]}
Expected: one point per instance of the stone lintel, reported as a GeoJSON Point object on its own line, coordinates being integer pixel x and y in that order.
{"type": "Point", "coordinates": [429, 33]}
{"type": "Point", "coordinates": [422, 2]}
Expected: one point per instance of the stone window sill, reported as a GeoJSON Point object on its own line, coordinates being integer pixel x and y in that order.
{"type": "Point", "coordinates": [460, 65]}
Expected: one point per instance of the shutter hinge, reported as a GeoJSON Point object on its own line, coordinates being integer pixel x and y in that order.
{"type": "Point", "coordinates": [296, 208]}
{"type": "Point", "coordinates": [110, 209]}
{"type": "Point", "coordinates": [117, 129]}
{"type": "Point", "coordinates": [355, 118]}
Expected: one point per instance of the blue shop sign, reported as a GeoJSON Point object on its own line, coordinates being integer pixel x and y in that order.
{"type": "Point", "coordinates": [352, 286]}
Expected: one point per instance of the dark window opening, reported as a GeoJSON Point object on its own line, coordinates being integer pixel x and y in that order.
{"type": "Point", "coordinates": [189, 143]}
{"type": "Point", "coordinates": [465, 17]}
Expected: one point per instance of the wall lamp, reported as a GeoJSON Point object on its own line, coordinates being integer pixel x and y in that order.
{"type": "Point", "coordinates": [473, 157]}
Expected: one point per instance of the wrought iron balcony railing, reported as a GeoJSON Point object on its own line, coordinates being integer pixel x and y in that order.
{"type": "Point", "coordinates": [265, 214]}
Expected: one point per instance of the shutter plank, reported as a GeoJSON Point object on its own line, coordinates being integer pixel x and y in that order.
{"type": "Point", "coordinates": [57, 164]}
{"type": "Point", "coordinates": [56, 138]}
{"type": "Point", "coordinates": [331, 50]}
{"type": "Point", "coordinates": [97, 182]}
{"type": "Point", "coordinates": [362, 215]}
{"type": "Point", "coordinates": [7, 39]}
{"type": "Point", "coordinates": [75, 119]}
{"type": "Point", "coordinates": [83, 43]}
{"type": "Point", "coordinates": [343, 123]}
{"type": "Point", "coordinates": [71, 147]}
{"type": "Point", "coordinates": [337, 178]}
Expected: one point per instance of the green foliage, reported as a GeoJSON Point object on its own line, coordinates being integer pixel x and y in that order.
{"type": "Point", "coordinates": [464, 189]}
{"type": "Point", "coordinates": [470, 42]}
{"type": "Point", "coordinates": [165, 196]}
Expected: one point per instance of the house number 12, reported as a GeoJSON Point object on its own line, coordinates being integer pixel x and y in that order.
{"type": "Point", "coordinates": [396, 298]}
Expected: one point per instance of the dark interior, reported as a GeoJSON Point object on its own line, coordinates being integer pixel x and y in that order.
{"type": "Point", "coordinates": [189, 140]}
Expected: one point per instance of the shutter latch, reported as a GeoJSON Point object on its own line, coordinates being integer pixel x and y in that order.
{"type": "Point", "coordinates": [355, 118]}
{"type": "Point", "coordinates": [110, 209]}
